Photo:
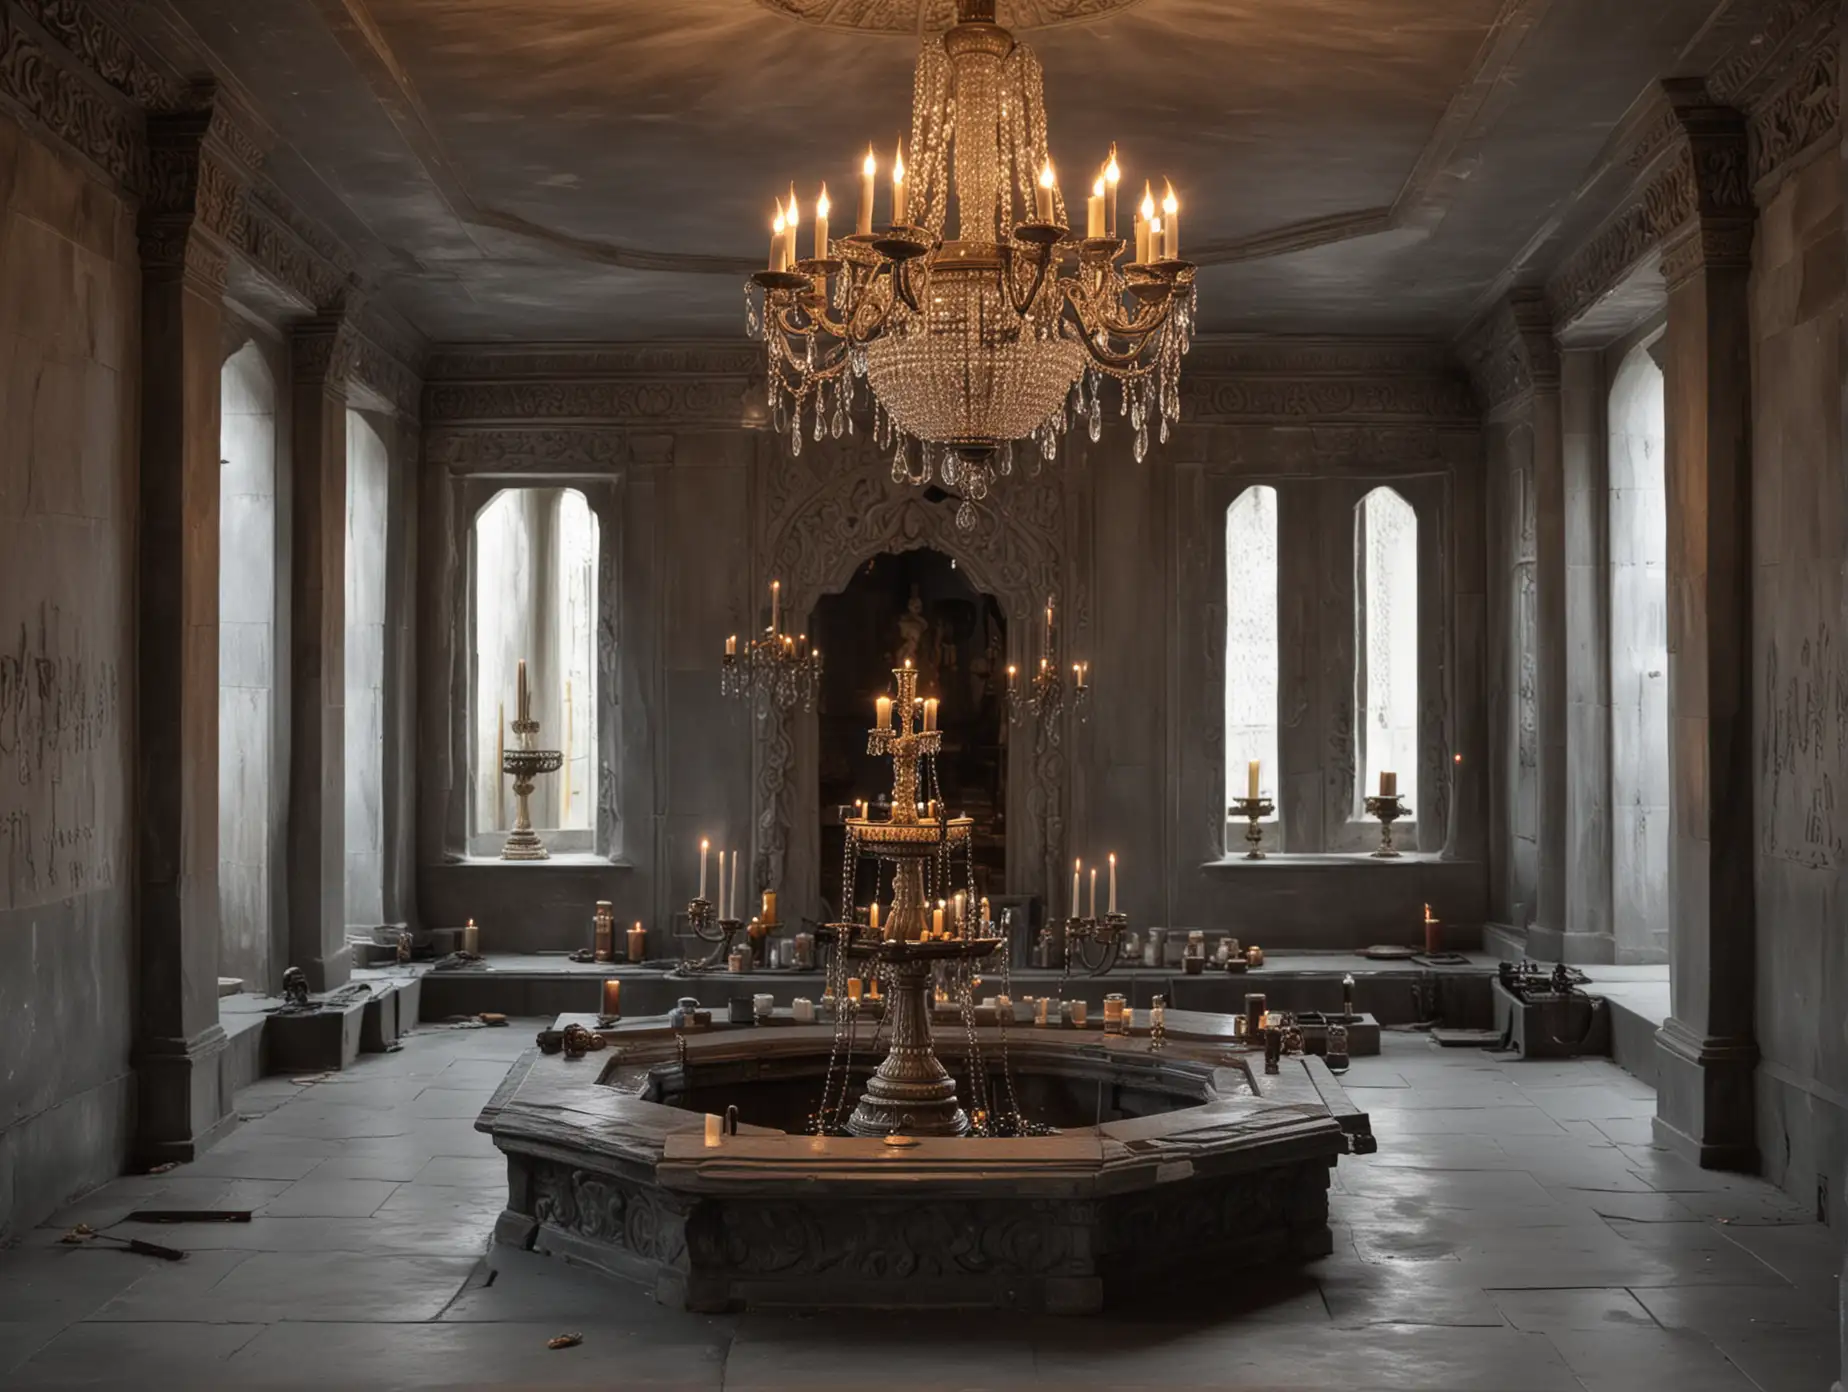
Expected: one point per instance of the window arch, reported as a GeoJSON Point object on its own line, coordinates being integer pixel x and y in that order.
{"type": "Point", "coordinates": [1386, 646]}
{"type": "Point", "coordinates": [1252, 652]}
{"type": "Point", "coordinates": [1639, 658]}
{"type": "Point", "coordinates": [534, 556]}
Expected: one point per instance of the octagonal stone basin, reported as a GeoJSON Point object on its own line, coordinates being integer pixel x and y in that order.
{"type": "Point", "coordinates": [1164, 1159]}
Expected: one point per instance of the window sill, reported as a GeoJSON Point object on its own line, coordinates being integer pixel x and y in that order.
{"type": "Point", "coordinates": [1351, 860]}
{"type": "Point", "coordinates": [562, 860]}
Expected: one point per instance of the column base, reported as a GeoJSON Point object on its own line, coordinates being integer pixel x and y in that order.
{"type": "Point", "coordinates": [1704, 1105]}
{"type": "Point", "coordinates": [1561, 945]}
{"type": "Point", "coordinates": [182, 1110]}
{"type": "Point", "coordinates": [331, 972]}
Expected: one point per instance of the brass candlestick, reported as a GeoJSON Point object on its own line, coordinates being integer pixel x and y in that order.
{"type": "Point", "coordinates": [523, 765]}
{"type": "Point", "coordinates": [1253, 810]}
{"type": "Point", "coordinates": [1095, 943]}
{"type": "Point", "coordinates": [707, 926]}
{"type": "Point", "coordinates": [1388, 807]}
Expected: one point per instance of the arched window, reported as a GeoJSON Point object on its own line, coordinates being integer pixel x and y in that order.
{"type": "Point", "coordinates": [247, 793]}
{"type": "Point", "coordinates": [535, 565]}
{"type": "Point", "coordinates": [1386, 581]}
{"type": "Point", "coordinates": [1639, 659]}
{"type": "Point", "coordinates": [1251, 641]}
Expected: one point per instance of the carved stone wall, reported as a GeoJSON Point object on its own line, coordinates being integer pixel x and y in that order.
{"type": "Point", "coordinates": [713, 508]}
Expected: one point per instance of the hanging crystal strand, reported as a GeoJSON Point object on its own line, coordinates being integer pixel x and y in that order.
{"type": "Point", "coordinates": [965, 516]}
{"type": "Point", "coordinates": [821, 398]}
{"type": "Point", "coordinates": [795, 430]}
{"type": "Point", "coordinates": [1007, 459]}
{"type": "Point", "coordinates": [901, 470]}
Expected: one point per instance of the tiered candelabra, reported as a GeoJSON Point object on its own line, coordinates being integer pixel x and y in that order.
{"type": "Point", "coordinates": [523, 764]}
{"type": "Point", "coordinates": [1046, 694]}
{"type": "Point", "coordinates": [910, 1092]}
{"type": "Point", "coordinates": [778, 670]}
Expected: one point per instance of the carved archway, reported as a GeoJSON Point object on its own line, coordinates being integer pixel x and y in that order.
{"type": "Point", "coordinates": [820, 535]}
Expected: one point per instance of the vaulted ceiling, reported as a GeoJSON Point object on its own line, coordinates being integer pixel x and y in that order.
{"type": "Point", "coordinates": [568, 169]}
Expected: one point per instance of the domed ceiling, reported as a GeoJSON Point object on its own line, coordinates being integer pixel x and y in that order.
{"type": "Point", "coordinates": [604, 169]}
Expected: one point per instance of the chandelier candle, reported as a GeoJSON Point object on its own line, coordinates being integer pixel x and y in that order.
{"type": "Point", "coordinates": [869, 170]}
{"type": "Point", "coordinates": [899, 188]}
{"type": "Point", "coordinates": [1113, 907]}
{"type": "Point", "coordinates": [1042, 196]}
{"type": "Point", "coordinates": [822, 208]}
{"type": "Point", "coordinates": [1093, 213]}
{"type": "Point", "coordinates": [1171, 225]}
{"type": "Point", "coordinates": [704, 847]}
{"type": "Point", "coordinates": [1113, 175]}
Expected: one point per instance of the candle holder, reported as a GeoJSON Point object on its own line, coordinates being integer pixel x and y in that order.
{"type": "Point", "coordinates": [1095, 943]}
{"type": "Point", "coordinates": [1253, 810]}
{"type": "Point", "coordinates": [523, 765]}
{"type": "Point", "coordinates": [705, 925]}
{"type": "Point", "coordinates": [1389, 808]}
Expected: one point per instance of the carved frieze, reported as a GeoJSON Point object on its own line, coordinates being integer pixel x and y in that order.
{"type": "Point", "coordinates": [1234, 381]}
{"type": "Point", "coordinates": [519, 451]}
{"type": "Point", "coordinates": [95, 42]}
{"type": "Point", "coordinates": [1754, 67]}
{"type": "Point", "coordinates": [323, 349]}
{"type": "Point", "coordinates": [43, 83]}
{"type": "Point", "coordinates": [605, 1209]}
{"type": "Point", "coordinates": [693, 399]}
{"type": "Point", "coordinates": [1799, 113]}
{"type": "Point", "coordinates": [279, 245]}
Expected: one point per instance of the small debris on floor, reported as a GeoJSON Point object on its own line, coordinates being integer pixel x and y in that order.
{"type": "Point", "coordinates": [163, 1167]}
{"type": "Point", "coordinates": [84, 1234]}
{"type": "Point", "coordinates": [308, 1078]}
{"type": "Point", "coordinates": [564, 1341]}
{"type": "Point", "coordinates": [492, 1020]}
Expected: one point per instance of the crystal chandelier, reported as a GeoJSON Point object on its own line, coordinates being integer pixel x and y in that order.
{"type": "Point", "coordinates": [1002, 333]}
{"type": "Point", "coordinates": [778, 670]}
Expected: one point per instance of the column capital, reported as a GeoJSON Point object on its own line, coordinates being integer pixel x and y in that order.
{"type": "Point", "coordinates": [201, 162]}
{"type": "Point", "coordinates": [1708, 215]}
{"type": "Point", "coordinates": [325, 349]}
{"type": "Point", "coordinates": [1512, 353]}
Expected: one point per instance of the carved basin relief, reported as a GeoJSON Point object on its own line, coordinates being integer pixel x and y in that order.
{"type": "Point", "coordinates": [1062, 1089]}
{"type": "Point", "coordinates": [1180, 1159]}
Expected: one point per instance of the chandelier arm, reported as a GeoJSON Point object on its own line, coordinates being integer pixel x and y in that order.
{"type": "Point", "coordinates": [843, 327]}
{"type": "Point", "coordinates": [805, 374]}
{"type": "Point", "coordinates": [901, 282]}
{"type": "Point", "coordinates": [1042, 262]}
{"type": "Point", "coordinates": [1139, 327]}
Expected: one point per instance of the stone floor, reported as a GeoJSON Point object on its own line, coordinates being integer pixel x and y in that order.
{"type": "Point", "coordinates": [1516, 1232]}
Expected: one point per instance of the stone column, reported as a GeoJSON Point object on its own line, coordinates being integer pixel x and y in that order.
{"type": "Point", "coordinates": [198, 169]}
{"type": "Point", "coordinates": [1515, 363]}
{"type": "Point", "coordinates": [322, 361]}
{"type": "Point", "coordinates": [1587, 935]}
{"type": "Point", "coordinates": [1707, 1053]}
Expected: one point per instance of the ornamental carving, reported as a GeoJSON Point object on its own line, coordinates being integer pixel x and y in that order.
{"type": "Point", "coordinates": [581, 451]}
{"type": "Point", "coordinates": [384, 370]}
{"type": "Point", "coordinates": [934, 16]}
{"type": "Point", "coordinates": [37, 80]}
{"type": "Point", "coordinates": [96, 44]}
{"type": "Point", "coordinates": [702, 400]}
{"type": "Point", "coordinates": [324, 349]}
{"type": "Point", "coordinates": [1707, 176]}
{"type": "Point", "coordinates": [883, 1240]}
{"type": "Point", "coordinates": [826, 525]}
{"type": "Point", "coordinates": [1512, 353]}
{"type": "Point", "coordinates": [1792, 27]}
{"type": "Point", "coordinates": [697, 360]}
{"type": "Point", "coordinates": [605, 1209]}
{"type": "Point", "coordinates": [273, 241]}
{"type": "Point", "coordinates": [1208, 399]}
{"type": "Point", "coordinates": [1211, 1213]}
{"type": "Point", "coordinates": [1802, 112]}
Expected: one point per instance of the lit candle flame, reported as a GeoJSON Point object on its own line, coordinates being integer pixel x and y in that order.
{"type": "Point", "coordinates": [1097, 189]}
{"type": "Point", "coordinates": [821, 204]}
{"type": "Point", "coordinates": [795, 209]}
{"type": "Point", "coordinates": [1111, 172]}
{"type": "Point", "coordinates": [898, 164]}
{"type": "Point", "coordinates": [869, 166]}
{"type": "Point", "coordinates": [1148, 204]}
{"type": "Point", "coordinates": [1046, 176]}
{"type": "Point", "coordinates": [781, 221]}
{"type": "Point", "coordinates": [1169, 203]}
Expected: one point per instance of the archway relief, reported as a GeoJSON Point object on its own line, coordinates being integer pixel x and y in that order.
{"type": "Point", "coordinates": [814, 546]}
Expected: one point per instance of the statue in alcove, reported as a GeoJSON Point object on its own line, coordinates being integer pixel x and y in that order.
{"type": "Point", "coordinates": [913, 629]}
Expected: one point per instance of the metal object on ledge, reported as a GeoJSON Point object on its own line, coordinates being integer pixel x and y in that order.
{"type": "Point", "coordinates": [705, 925]}
{"type": "Point", "coordinates": [777, 671]}
{"type": "Point", "coordinates": [1095, 943]}
{"type": "Point", "coordinates": [523, 764]}
{"type": "Point", "coordinates": [1389, 808]}
{"type": "Point", "coordinates": [1046, 695]}
{"type": "Point", "coordinates": [1253, 811]}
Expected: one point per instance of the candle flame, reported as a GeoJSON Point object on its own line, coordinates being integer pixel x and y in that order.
{"type": "Point", "coordinates": [1113, 857]}
{"type": "Point", "coordinates": [898, 164]}
{"type": "Point", "coordinates": [869, 166]}
{"type": "Point", "coordinates": [704, 845]}
{"type": "Point", "coordinates": [821, 204]}
{"type": "Point", "coordinates": [1111, 172]}
{"type": "Point", "coordinates": [1046, 176]}
{"type": "Point", "coordinates": [1428, 918]}
{"type": "Point", "coordinates": [1097, 189]}
{"type": "Point", "coordinates": [1169, 203]}
{"type": "Point", "coordinates": [795, 209]}
{"type": "Point", "coordinates": [780, 223]}
{"type": "Point", "coordinates": [1148, 203]}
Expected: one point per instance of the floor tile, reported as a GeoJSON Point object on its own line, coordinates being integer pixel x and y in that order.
{"type": "Point", "coordinates": [1622, 1360]}
{"type": "Point", "coordinates": [330, 1198]}
{"type": "Point", "coordinates": [267, 1287]}
{"type": "Point", "coordinates": [144, 1356]}
{"type": "Point", "coordinates": [490, 1171]}
{"type": "Point", "coordinates": [1573, 1310]}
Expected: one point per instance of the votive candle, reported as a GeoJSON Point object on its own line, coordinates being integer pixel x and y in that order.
{"type": "Point", "coordinates": [612, 997]}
